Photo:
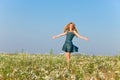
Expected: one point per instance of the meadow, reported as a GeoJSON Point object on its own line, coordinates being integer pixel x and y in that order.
{"type": "Point", "coordinates": [25, 66]}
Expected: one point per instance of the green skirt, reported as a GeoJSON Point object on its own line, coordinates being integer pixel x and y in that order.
{"type": "Point", "coordinates": [69, 47]}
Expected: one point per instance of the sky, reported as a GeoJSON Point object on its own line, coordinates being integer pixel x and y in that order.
{"type": "Point", "coordinates": [29, 25]}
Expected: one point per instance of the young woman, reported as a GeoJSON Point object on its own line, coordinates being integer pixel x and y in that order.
{"type": "Point", "coordinates": [70, 31]}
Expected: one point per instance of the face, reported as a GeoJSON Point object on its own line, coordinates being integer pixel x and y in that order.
{"type": "Point", "coordinates": [71, 27]}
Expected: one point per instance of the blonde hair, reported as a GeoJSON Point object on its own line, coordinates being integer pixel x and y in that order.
{"type": "Point", "coordinates": [66, 28]}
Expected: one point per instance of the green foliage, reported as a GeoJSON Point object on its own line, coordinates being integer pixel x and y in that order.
{"type": "Point", "coordinates": [46, 67]}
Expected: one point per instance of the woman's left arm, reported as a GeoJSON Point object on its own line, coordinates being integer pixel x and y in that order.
{"type": "Point", "coordinates": [79, 36]}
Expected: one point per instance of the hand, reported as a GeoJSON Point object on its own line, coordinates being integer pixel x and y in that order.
{"type": "Point", "coordinates": [54, 37]}
{"type": "Point", "coordinates": [86, 39]}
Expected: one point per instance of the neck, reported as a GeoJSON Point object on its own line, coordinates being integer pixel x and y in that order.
{"type": "Point", "coordinates": [70, 30]}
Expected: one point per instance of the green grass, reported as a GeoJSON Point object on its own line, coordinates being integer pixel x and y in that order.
{"type": "Point", "coordinates": [54, 67]}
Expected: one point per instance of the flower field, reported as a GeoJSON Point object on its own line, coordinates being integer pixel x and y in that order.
{"type": "Point", "coordinates": [54, 67]}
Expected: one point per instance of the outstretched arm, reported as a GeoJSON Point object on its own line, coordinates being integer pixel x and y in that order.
{"type": "Point", "coordinates": [79, 36]}
{"type": "Point", "coordinates": [62, 34]}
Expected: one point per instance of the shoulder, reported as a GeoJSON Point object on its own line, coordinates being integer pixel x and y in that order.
{"type": "Point", "coordinates": [65, 33]}
{"type": "Point", "coordinates": [74, 32]}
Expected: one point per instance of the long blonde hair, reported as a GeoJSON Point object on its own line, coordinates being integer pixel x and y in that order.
{"type": "Point", "coordinates": [66, 28]}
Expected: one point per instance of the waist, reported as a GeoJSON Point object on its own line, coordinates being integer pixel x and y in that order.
{"type": "Point", "coordinates": [68, 41]}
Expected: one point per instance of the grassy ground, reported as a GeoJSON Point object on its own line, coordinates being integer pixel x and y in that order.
{"type": "Point", "coordinates": [54, 67]}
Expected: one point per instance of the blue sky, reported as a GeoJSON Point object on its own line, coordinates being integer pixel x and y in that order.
{"type": "Point", "coordinates": [29, 25]}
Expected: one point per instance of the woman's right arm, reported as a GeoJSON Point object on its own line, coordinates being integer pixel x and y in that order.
{"type": "Point", "coordinates": [57, 36]}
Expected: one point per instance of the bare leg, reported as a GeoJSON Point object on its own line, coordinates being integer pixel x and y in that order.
{"type": "Point", "coordinates": [67, 54]}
